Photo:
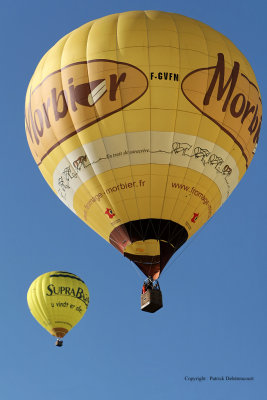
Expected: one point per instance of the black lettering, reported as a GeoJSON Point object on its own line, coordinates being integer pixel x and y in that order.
{"type": "Point", "coordinates": [257, 134]}
{"type": "Point", "coordinates": [219, 74]}
{"type": "Point", "coordinates": [45, 107]}
{"type": "Point", "coordinates": [54, 290]}
{"type": "Point", "coordinates": [62, 289]}
{"type": "Point", "coordinates": [252, 127]}
{"type": "Point", "coordinates": [27, 122]}
{"type": "Point", "coordinates": [55, 102]}
{"type": "Point", "coordinates": [114, 84]}
{"type": "Point", "coordinates": [50, 290]}
{"type": "Point", "coordinates": [79, 293]}
{"type": "Point", "coordinates": [31, 122]}
{"type": "Point", "coordinates": [72, 95]}
{"type": "Point", "coordinates": [233, 108]}
{"type": "Point", "coordinates": [40, 125]}
{"type": "Point", "coordinates": [247, 111]}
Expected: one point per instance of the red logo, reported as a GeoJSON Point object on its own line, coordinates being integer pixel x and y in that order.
{"type": "Point", "coordinates": [110, 213]}
{"type": "Point", "coordinates": [195, 217]}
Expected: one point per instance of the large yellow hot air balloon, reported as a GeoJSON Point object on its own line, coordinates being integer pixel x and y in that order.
{"type": "Point", "coordinates": [143, 123]}
{"type": "Point", "coordinates": [58, 300]}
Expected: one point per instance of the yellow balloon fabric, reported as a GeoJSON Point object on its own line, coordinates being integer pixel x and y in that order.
{"type": "Point", "coordinates": [58, 300]}
{"type": "Point", "coordinates": [143, 123]}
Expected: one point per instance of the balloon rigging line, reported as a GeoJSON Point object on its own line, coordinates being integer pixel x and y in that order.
{"type": "Point", "coordinates": [186, 247]}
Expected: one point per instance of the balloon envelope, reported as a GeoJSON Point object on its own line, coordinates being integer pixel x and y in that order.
{"type": "Point", "coordinates": [58, 300]}
{"type": "Point", "coordinates": [143, 123]}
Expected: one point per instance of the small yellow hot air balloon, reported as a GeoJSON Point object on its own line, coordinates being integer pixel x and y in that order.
{"type": "Point", "coordinates": [58, 300]}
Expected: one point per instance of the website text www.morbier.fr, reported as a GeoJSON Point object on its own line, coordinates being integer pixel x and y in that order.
{"type": "Point", "coordinates": [194, 192]}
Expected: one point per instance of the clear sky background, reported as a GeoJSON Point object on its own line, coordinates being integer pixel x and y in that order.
{"type": "Point", "coordinates": [214, 318]}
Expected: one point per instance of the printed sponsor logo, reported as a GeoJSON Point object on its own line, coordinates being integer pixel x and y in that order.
{"type": "Point", "coordinates": [194, 192]}
{"type": "Point", "coordinates": [195, 217]}
{"type": "Point", "coordinates": [229, 99]}
{"type": "Point", "coordinates": [109, 213]}
{"type": "Point", "coordinates": [78, 293]}
{"type": "Point", "coordinates": [67, 101]}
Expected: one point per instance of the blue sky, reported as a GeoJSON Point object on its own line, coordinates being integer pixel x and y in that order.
{"type": "Point", "coordinates": [214, 318]}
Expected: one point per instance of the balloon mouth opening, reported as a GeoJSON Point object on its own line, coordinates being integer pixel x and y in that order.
{"type": "Point", "coordinates": [149, 243]}
{"type": "Point", "coordinates": [59, 332]}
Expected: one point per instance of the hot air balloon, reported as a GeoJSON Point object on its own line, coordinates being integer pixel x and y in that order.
{"type": "Point", "coordinates": [143, 123]}
{"type": "Point", "coordinates": [58, 300]}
